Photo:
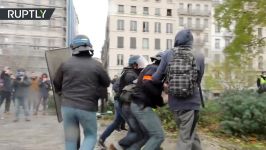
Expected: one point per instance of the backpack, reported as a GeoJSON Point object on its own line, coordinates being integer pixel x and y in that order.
{"type": "Point", "coordinates": [182, 73]}
{"type": "Point", "coordinates": [126, 93]}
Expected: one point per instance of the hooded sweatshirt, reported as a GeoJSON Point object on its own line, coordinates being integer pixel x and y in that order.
{"type": "Point", "coordinates": [183, 39]}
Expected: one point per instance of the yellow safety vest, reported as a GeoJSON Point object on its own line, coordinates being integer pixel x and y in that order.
{"type": "Point", "coordinates": [262, 81]}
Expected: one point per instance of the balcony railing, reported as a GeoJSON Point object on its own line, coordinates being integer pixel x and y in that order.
{"type": "Point", "coordinates": [194, 12]}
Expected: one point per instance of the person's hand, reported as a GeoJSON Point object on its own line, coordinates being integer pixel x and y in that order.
{"type": "Point", "coordinates": [12, 77]}
{"type": "Point", "coordinates": [44, 79]}
{"type": "Point", "coordinates": [165, 88]}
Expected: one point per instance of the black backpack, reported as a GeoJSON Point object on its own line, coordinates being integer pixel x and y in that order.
{"type": "Point", "coordinates": [126, 93]}
{"type": "Point", "coordinates": [182, 73]}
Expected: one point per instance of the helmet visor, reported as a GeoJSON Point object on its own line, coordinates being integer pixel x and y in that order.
{"type": "Point", "coordinates": [142, 62]}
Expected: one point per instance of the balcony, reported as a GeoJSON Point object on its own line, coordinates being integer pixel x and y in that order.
{"type": "Point", "coordinates": [195, 27]}
{"type": "Point", "coordinates": [194, 12]}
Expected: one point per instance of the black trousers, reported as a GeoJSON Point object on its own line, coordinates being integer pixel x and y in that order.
{"type": "Point", "coordinates": [5, 95]}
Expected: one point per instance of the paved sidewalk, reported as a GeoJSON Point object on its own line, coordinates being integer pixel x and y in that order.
{"type": "Point", "coordinates": [45, 133]}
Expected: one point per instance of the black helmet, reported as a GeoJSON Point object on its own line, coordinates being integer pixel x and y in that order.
{"type": "Point", "coordinates": [157, 57]}
{"type": "Point", "coordinates": [81, 43]}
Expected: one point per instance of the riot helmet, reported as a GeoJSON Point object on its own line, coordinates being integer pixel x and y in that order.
{"type": "Point", "coordinates": [138, 60]}
{"type": "Point", "coordinates": [81, 44]}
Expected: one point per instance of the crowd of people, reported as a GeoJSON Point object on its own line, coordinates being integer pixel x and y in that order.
{"type": "Point", "coordinates": [26, 91]}
{"type": "Point", "coordinates": [138, 91]}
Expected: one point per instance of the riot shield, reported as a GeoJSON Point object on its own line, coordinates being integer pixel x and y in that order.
{"type": "Point", "coordinates": [54, 58]}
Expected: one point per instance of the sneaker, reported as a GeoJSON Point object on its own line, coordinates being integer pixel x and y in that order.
{"type": "Point", "coordinates": [35, 113]}
{"type": "Point", "coordinates": [27, 119]}
{"type": "Point", "coordinates": [44, 113]}
{"type": "Point", "coordinates": [101, 144]}
{"type": "Point", "coordinates": [16, 120]}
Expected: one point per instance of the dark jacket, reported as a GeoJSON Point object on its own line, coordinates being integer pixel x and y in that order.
{"type": "Point", "coordinates": [21, 88]}
{"type": "Point", "coordinates": [148, 92]}
{"type": "Point", "coordinates": [79, 80]}
{"type": "Point", "coordinates": [44, 88]}
{"type": "Point", "coordinates": [183, 39]}
{"type": "Point", "coordinates": [7, 82]}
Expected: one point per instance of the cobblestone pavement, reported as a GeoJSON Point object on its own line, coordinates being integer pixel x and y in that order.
{"type": "Point", "coordinates": [45, 133]}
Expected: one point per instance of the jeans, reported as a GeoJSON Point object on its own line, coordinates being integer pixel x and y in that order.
{"type": "Point", "coordinates": [21, 101]}
{"type": "Point", "coordinates": [72, 118]}
{"type": "Point", "coordinates": [44, 100]}
{"type": "Point", "coordinates": [152, 124]}
{"type": "Point", "coordinates": [186, 121]}
{"type": "Point", "coordinates": [135, 137]}
{"type": "Point", "coordinates": [5, 95]}
{"type": "Point", "coordinates": [115, 124]}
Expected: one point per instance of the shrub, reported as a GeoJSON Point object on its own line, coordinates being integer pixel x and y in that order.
{"type": "Point", "coordinates": [243, 113]}
{"type": "Point", "coordinates": [211, 114]}
{"type": "Point", "coordinates": [167, 118]}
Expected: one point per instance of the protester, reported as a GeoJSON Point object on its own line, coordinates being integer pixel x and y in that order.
{"type": "Point", "coordinates": [34, 93]}
{"type": "Point", "coordinates": [78, 80]}
{"type": "Point", "coordinates": [44, 86]}
{"type": "Point", "coordinates": [135, 137]}
{"type": "Point", "coordinates": [185, 109]}
{"type": "Point", "coordinates": [146, 97]}
{"type": "Point", "coordinates": [6, 77]}
{"type": "Point", "coordinates": [21, 87]}
{"type": "Point", "coordinates": [261, 82]}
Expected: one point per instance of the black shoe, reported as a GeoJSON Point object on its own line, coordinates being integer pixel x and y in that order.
{"type": "Point", "coordinates": [125, 129]}
{"type": "Point", "coordinates": [101, 144]}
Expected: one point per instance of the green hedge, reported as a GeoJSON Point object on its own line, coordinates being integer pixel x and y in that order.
{"type": "Point", "coordinates": [243, 113]}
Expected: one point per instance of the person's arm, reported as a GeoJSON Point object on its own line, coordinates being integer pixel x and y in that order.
{"type": "Point", "coordinates": [201, 65]}
{"type": "Point", "coordinates": [58, 80]}
{"type": "Point", "coordinates": [160, 72]}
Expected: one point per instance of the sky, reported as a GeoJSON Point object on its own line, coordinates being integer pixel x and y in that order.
{"type": "Point", "coordinates": [92, 16]}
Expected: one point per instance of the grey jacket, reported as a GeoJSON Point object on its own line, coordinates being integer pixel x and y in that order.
{"type": "Point", "coordinates": [184, 38]}
{"type": "Point", "coordinates": [21, 88]}
{"type": "Point", "coordinates": [79, 80]}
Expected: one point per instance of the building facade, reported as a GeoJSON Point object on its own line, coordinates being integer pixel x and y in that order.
{"type": "Point", "coordinates": [23, 42]}
{"type": "Point", "coordinates": [146, 27]}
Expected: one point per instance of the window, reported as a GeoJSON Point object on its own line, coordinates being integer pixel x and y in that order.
{"type": "Point", "coordinates": [206, 52]}
{"type": "Point", "coordinates": [206, 8]}
{"type": "Point", "coordinates": [120, 59]}
{"type": "Point", "coordinates": [181, 21]}
{"type": "Point", "coordinates": [259, 32]}
{"type": "Point", "coordinates": [121, 8]}
{"type": "Point", "coordinates": [157, 27]}
{"type": "Point", "coordinates": [206, 37]}
{"type": "Point", "coordinates": [189, 7]}
{"type": "Point", "coordinates": [197, 7]}
{"type": "Point", "coordinates": [197, 22]}
{"type": "Point", "coordinates": [157, 12]}
{"type": "Point", "coordinates": [217, 43]}
{"type": "Point", "coordinates": [260, 63]}
{"type": "Point", "coordinates": [206, 23]}
{"type": "Point", "coordinates": [133, 25]}
{"type": "Point", "coordinates": [120, 25]}
{"type": "Point", "coordinates": [145, 10]}
{"type": "Point", "coordinates": [181, 5]}
{"type": "Point", "coordinates": [227, 41]}
{"type": "Point", "coordinates": [145, 26]}
{"type": "Point", "coordinates": [168, 44]}
{"type": "Point", "coordinates": [217, 29]}
{"type": "Point", "coordinates": [169, 28]}
{"type": "Point", "coordinates": [145, 43]}
{"type": "Point", "coordinates": [157, 44]}
{"type": "Point", "coordinates": [133, 43]}
{"type": "Point", "coordinates": [189, 22]}
{"type": "Point", "coordinates": [120, 42]}
{"type": "Point", "coordinates": [52, 2]}
{"type": "Point", "coordinates": [133, 10]}
{"type": "Point", "coordinates": [217, 58]}
{"type": "Point", "coordinates": [169, 12]}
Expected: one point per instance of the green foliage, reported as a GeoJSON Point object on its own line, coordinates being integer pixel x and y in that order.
{"type": "Point", "coordinates": [167, 118]}
{"type": "Point", "coordinates": [211, 114]}
{"type": "Point", "coordinates": [243, 113]}
{"type": "Point", "coordinates": [243, 15]}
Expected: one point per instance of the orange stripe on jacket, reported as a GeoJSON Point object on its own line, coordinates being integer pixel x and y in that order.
{"type": "Point", "coordinates": [147, 77]}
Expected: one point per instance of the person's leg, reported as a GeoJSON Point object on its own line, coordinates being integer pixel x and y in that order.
{"type": "Point", "coordinates": [17, 103]}
{"type": "Point", "coordinates": [114, 125]}
{"type": "Point", "coordinates": [71, 128]}
{"type": "Point", "coordinates": [39, 100]}
{"type": "Point", "coordinates": [8, 101]}
{"type": "Point", "coordinates": [135, 138]}
{"type": "Point", "coordinates": [44, 103]}
{"type": "Point", "coordinates": [88, 122]}
{"type": "Point", "coordinates": [152, 124]}
{"type": "Point", "coordinates": [24, 102]}
{"type": "Point", "coordinates": [186, 121]}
